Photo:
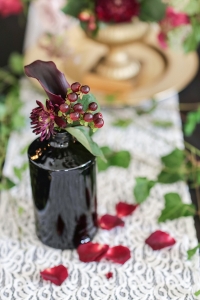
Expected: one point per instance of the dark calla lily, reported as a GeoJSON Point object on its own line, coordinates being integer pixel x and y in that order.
{"type": "Point", "coordinates": [51, 79]}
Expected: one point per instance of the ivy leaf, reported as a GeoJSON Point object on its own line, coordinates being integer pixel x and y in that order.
{"type": "Point", "coordinates": [193, 118]}
{"type": "Point", "coordinates": [175, 208]}
{"type": "Point", "coordinates": [82, 135]}
{"type": "Point", "coordinates": [19, 171]}
{"type": "Point", "coordinates": [6, 184]}
{"type": "Point", "coordinates": [110, 98]}
{"type": "Point", "coordinates": [168, 176]}
{"type": "Point", "coordinates": [142, 189]}
{"type": "Point", "coordinates": [122, 123]}
{"type": "Point", "coordinates": [149, 13]}
{"type": "Point", "coordinates": [197, 293]}
{"type": "Point", "coordinates": [73, 8]}
{"type": "Point", "coordinates": [120, 159]}
{"type": "Point", "coordinates": [20, 210]}
{"type": "Point", "coordinates": [191, 252]}
{"type": "Point", "coordinates": [174, 160]}
{"type": "Point", "coordinates": [142, 111]}
{"type": "Point", "coordinates": [86, 100]}
{"type": "Point", "coordinates": [16, 63]}
{"type": "Point", "coordinates": [161, 123]}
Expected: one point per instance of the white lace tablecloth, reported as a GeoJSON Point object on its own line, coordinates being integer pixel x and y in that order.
{"type": "Point", "coordinates": [148, 275]}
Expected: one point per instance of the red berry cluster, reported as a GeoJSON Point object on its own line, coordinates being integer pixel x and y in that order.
{"type": "Point", "coordinates": [72, 110]}
{"type": "Point", "coordinates": [89, 19]}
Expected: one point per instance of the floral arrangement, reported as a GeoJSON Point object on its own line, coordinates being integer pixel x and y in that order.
{"type": "Point", "coordinates": [180, 26]}
{"type": "Point", "coordinates": [69, 107]}
{"type": "Point", "coordinates": [178, 20]}
{"type": "Point", "coordinates": [94, 13]}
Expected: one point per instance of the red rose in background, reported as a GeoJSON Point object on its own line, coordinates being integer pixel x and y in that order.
{"type": "Point", "coordinates": [116, 10]}
{"type": "Point", "coordinates": [172, 20]}
{"type": "Point", "coordinates": [10, 7]}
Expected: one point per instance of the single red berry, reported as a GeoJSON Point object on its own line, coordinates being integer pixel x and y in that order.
{"type": "Point", "coordinates": [78, 107]}
{"type": "Point", "coordinates": [72, 97]}
{"type": "Point", "coordinates": [85, 89]}
{"type": "Point", "coordinates": [75, 86]}
{"type": "Point", "coordinates": [93, 106]}
{"type": "Point", "coordinates": [98, 123]}
{"type": "Point", "coordinates": [64, 107]}
{"type": "Point", "coordinates": [97, 116]}
{"type": "Point", "coordinates": [88, 117]}
{"type": "Point", "coordinates": [92, 26]}
{"type": "Point", "coordinates": [84, 16]}
{"type": "Point", "coordinates": [74, 116]}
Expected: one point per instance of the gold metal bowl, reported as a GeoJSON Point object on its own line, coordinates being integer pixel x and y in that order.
{"type": "Point", "coordinates": [161, 70]}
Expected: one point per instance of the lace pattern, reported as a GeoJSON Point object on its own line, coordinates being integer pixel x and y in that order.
{"type": "Point", "coordinates": [148, 275]}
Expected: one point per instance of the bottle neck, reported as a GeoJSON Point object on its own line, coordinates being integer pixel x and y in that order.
{"type": "Point", "coordinates": [60, 139]}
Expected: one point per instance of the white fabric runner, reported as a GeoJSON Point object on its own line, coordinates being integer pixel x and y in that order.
{"type": "Point", "coordinates": [148, 275]}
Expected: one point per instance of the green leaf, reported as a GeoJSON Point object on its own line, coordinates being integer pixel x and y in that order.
{"type": "Point", "coordinates": [190, 43]}
{"type": "Point", "coordinates": [174, 160]}
{"type": "Point", "coordinates": [152, 11]}
{"type": "Point", "coordinates": [122, 123]}
{"type": "Point", "coordinates": [148, 110]}
{"type": "Point", "coordinates": [142, 189]}
{"type": "Point", "coordinates": [167, 177]}
{"type": "Point", "coordinates": [197, 293]}
{"type": "Point", "coordinates": [175, 208]}
{"type": "Point", "coordinates": [6, 184]}
{"type": "Point", "coordinates": [20, 210]}
{"type": "Point", "coordinates": [73, 8]}
{"type": "Point", "coordinates": [16, 63]}
{"type": "Point", "coordinates": [82, 135]}
{"type": "Point", "coordinates": [86, 100]}
{"type": "Point", "coordinates": [119, 159]}
{"type": "Point", "coordinates": [161, 123]}
{"type": "Point", "coordinates": [110, 98]}
{"type": "Point", "coordinates": [191, 252]}
{"type": "Point", "coordinates": [193, 118]}
{"type": "Point", "coordinates": [19, 171]}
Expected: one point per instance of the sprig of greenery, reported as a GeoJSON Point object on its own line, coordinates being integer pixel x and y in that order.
{"type": "Point", "coordinates": [113, 158]}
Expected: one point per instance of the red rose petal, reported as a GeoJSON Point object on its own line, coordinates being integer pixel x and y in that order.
{"type": "Point", "coordinates": [159, 240]}
{"type": "Point", "coordinates": [108, 222]}
{"type": "Point", "coordinates": [109, 275]}
{"type": "Point", "coordinates": [118, 254]}
{"type": "Point", "coordinates": [124, 209]}
{"type": "Point", "coordinates": [56, 274]}
{"type": "Point", "coordinates": [91, 251]}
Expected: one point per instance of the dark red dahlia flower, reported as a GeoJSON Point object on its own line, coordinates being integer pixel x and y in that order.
{"type": "Point", "coordinates": [51, 79]}
{"type": "Point", "coordinates": [43, 119]}
{"type": "Point", "coordinates": [116, 10]}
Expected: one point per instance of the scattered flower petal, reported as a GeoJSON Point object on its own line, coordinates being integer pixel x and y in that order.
{"type": "Point", "coordinates": [159, 240]}
{"type": "Point", "coordinates": [56, 274]}
{"type": "Point", "coordinates": [108, 222]}
{"type": "Point", "coordinates": [91, 251]}
{"type": "Point", "coordinates": [124, 209]}
{"type": "Point", "coordinates": [109, 275]}
{"type": "Point", "coordinates": [118, 254]}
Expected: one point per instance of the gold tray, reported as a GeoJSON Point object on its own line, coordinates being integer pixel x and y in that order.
{"type": "Point", "coordinates": [162, 72]}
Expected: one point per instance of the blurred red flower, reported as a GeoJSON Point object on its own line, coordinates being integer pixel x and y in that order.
{"type": "Point", "coordinates": [116, 10]}
{"type": "Point", "coordinates": [10, 7]}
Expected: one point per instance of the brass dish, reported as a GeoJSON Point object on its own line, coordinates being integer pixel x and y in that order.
{"type": "Point", "coordinates": [161, 70]}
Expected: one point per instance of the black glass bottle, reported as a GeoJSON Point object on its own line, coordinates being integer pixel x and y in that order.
{"type": "Point", "coordinates": [63, 180]}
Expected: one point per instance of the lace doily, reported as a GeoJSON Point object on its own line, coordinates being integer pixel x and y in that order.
{"type": "Point", "coordinates": [148, 275]}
